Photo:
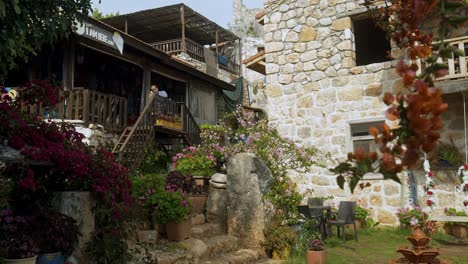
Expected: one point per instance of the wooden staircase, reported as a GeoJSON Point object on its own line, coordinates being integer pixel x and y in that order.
{"type": "Point", "coordinates": [135, 140]}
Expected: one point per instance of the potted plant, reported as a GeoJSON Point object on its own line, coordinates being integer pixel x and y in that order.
{"type": "Point", "coordinates": [16, 242]}
{"type": "Point", "coordinates": [57, 236]}
{"type": "Point", "coordinates": [196, 162]}
{"type": "Point", "coordinates": [361, 216]}
{"type": "Point", "coordinates": [173, 209]}
{"type": "Point", "coordinates": [458, 229]}
{"type": "Point", "coordinates": [197, 194]}
{"type": "Point", "coordinates": [316, 253]}
{"type": "Point", "coordinates": [410, 217]}
{"type": "Point", "coordinates": [278, 239]}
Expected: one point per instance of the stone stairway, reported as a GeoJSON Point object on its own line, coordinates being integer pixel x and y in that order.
{"type": "Point", "coordinates": [219, 248]}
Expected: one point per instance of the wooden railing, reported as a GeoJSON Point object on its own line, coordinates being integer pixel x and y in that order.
{"type": "Point", "coordinates": [457, 65]}
{"type": "Point", "coordinates": [174, 47]}
{"type": "Point", "coordinates": [191, 127]}
{"type": "Point", "coordinates": [194, 50]}
{"type": "Point", "coordinates": [135, 140]}
{"type": "Point", "coordinates": [91, 107]}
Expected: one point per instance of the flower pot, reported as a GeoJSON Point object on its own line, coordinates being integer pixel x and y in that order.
{"type": "Point", "coordinates": [21, 261]}
{"type": "Point", "coordinates": [459, 231]}
{"type": "Point", "coordinates": [178, 231]}
{"type": "Point", "coordinates": [316, 257]}
{"type": "Point", "coordinates": [50, 258]}
{"type": "Point", "coordinates": [284, 254]}
{"type": "Point", "coordinates": [199, 180]}
{"type": "Point", "coordinates": [198, 202]}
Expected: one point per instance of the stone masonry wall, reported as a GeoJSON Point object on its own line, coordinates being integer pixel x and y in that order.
{"type": "Point", "coordinates": [314, 90]}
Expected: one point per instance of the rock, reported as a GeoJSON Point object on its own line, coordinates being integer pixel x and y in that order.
{"type": "Point", "coordinates": [341, 24]}
{"type": "Point", "coordinates": [304, 132]}
{"type": "Point", "coordinates": [246, 218]}
{"type": "Point", "coordinates": [353, 93]}
{"type": "Point", "coordinates": [147, 236]}
{"type": "Point", "coordinates": [79, 206]}
{"type": "Point", "coordinates": [263, 173]}
{"type": "Point", "coordinates": [196, 246]}
{"type": "Point", "coordinates": [216, 206]}
{"type": "Point", "coordinates": [373, 89]}
{"type": "Point", "coordinates": [198, 219]}
{"type": "Point", "coordinates": [307, 34]}
{"type": "Point", "coordinates": [219, 178]}
{"type": "Point", "coordinates": [273, 90]}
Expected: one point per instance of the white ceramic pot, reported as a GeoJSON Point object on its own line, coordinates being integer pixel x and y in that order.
{"type": "Point", "coordinates": [21, 261]}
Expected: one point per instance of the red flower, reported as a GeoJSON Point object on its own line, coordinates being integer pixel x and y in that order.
{"type": "Point", "coordinates": [465, 203]}
{"type": "Point", "coordinates": [429, 202]}
{"type": "Point", "coordinates": [465, 167]}
{"type": "Point", "coordinates": [430, 193]}
{"type": "Point", "coordinates": [430, 174]}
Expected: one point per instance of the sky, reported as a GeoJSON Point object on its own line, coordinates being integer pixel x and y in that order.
{"type": "Point", "coordinates": [219, 11]}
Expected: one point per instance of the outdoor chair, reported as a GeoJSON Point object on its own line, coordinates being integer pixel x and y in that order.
{"type": "Point", "coordinates": [314, 202]}
{"type": "Point", "coordinates": [346, 214]}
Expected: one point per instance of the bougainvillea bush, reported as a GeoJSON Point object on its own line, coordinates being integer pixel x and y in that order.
{"type": "Point", "coordinates": [245, 134]}
{"type": "Point", "coordinates": [70, 164]}
{"type": "Point", "coordinates": [416, 112]}
{"type": "Point", "coordinates": [195, 161]}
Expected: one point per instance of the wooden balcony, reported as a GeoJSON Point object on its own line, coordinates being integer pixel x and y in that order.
{"type": "Point", "coordinates": [457, 65]}
{"type": "Point", "coordinates": [194, 50]}
{"type": "Point", "coordinates": [91, 107]}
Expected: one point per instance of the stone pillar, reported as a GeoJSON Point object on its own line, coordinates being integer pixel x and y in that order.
{"type": "Point", "coordinates": [79, 206]}
{"type": "Point", "coordinates": [245, 214]}
{"type": "Point", "coordinates": [216, 206]}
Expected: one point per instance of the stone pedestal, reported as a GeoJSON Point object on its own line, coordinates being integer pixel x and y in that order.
{"type": "Point", "coordinates": [216, 206]}
{"type": "Point", "coordinates": [79, 206]}
{"type": "Point", "coordinates": [245, 215]}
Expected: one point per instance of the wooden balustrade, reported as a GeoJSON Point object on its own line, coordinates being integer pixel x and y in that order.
{"type": "Point", "coordinates": [191, 127]}
{"type": "Point", "coordinates": [194, 50]}
{"type": "Point", "coordinates": [91, 107]}
{"type": "Point", "coordinates": [457, 65]}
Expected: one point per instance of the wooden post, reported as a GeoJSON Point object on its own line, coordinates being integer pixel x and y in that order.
{"type": "Point", "coordinates": [240, 57]}
{"type": "Point", "coordinates": [126, 26]}
{"type": "Point", "coordinates": [217, 48]}
{"type": "Point", "coordinates": [182, 19]}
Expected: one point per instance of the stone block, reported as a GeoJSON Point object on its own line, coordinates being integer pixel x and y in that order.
{"type": "Point", "coordinates": [305, 102]}
{"type": "Point", "coordinates": [326, 96]}
{"type": "Point", "coordinates": [353, 93]}
{"type": "Point", "coordinates": [292, 58]}
{"type": "Point", "coordinates": [348, 62]}
{"type": "Point", "coordinates": [195, 246]}
{"type": "Point", "coordinates": [386, 217]}
{"type": "Point", "coordinates": [304, 132]}
{"type": "Point", "coordinates": [307, 34]}
{"type": "Point", "coordinates": [341, 24]}
{"type": "Point", "coordinates": [311, 87]}
{"type": "Point", "coordinates": [322, 64]}
{"type": "Point", "coordinates": [274, 47]}
{"type": "Point", "coordinates": [391, 189]}
{"type": "Point", "coordinates": [216, 206]}
{"type": "Point", "coordinates": [375, 200]}
{"type": "Point", "coordinates": [273, 90]}
{"type": "Point", "coordinates": [345, 45]}
{"type": "Point", "coordinates": [146, 236]}
{"type": "Point", "coordinates": [292, 36]}
{"type": "Point", "coordinates": [373, 89]}
{"type": "Point", "coordinates": [321, 181]}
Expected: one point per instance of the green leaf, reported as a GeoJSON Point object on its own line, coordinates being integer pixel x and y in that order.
{"type": "Point", "coordinates": [340, 180]}
{"type": "Point", "coordinates": [353, 183]}
{"type": "Point", "coordinates": [2, 9]}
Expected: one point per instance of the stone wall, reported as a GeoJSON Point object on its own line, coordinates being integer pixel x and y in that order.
{"type": "Point", "coordinates": [314, 90]}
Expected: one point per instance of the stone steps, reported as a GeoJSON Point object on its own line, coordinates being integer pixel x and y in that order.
{"type": "Point", "coordinates": [241, 256]}
{"type": "Point", "coordinates": [218, 245]}
{"type": "Point", "coordinates": [207, 230]}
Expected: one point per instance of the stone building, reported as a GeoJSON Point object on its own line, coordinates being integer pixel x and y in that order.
{"type": "Point", "coordinates": [326, 72]}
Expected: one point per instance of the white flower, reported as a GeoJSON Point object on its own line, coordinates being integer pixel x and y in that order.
{"type": "Point", "coordinates": [427, 167]}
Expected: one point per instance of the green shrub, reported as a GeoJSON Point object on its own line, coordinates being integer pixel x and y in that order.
{"type": "Point", "coordinates": [278, 237]}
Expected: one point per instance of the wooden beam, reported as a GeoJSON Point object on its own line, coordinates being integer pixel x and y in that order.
{"type": "Point", "coordinates": [217, 48]}
{"type": "Point", "coordinates": [182, 19]}
{"type": "Point", "coordinates": [240, 57]}
{"type": "Point", "coordinates": [126, 26]}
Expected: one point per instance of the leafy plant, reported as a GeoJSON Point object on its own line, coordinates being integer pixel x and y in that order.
{"type": "Point", "coordinates": [178, 181]}
{"type": "Point", "coordinates": [155, 161]}
{"type": "Point", "coordinates": [316, 245]}
{"type": "Point", "coordinates": [278, 237]}
{"type": "Point", "coordinates": [362, 212]}
{"type": "Point", "coordinates": [448, 154]}
{"type": "Point", "coordinates": [56, 232]}
{"type": "Point", "coordinates": [195, 161]}
{"type": "Point", "coordinates": [411, 217]}
{"type": "Point", "coordinates": [171, 206]}
{"type": "Point", "coordinates": [16, 236]}
{"type": "Point", "coordinates": [309, 231]}
{"type": "Point", "coordinates": [454, 212]}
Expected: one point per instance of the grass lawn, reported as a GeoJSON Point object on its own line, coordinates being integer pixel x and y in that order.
{"type": "Point", "coordinates": [379, 246]}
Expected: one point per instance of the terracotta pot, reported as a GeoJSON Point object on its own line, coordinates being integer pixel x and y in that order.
{"type": "Point", "coordinates": [198, 202]}
{"type": "Point", "coordinates": [162, 229]}
{"type": "Point", "coordinates": [459, 231]}
{"type": "Point", "coordinates": [199, 180]}
{"type": "Point", "coordinates": [316, 257]}
{"type": "Point", "coordinates": [178, 231]}
{"type": "Point", "coordinates": [21, 261]}
{"type": "Point", "coordinates": [50, 258]}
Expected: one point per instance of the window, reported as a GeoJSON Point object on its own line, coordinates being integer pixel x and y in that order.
{"type": "Point", "coordinates": [360, 137]}
{"type": "Point", "coordinates": [371, 42]}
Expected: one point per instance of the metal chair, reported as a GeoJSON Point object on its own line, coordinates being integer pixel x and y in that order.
{"type": "Point", "coordinates": [314, 202]}
{"type": "Point", "coordinates": [346, 214]}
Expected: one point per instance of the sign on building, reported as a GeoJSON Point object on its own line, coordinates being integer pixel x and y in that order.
{"type": "Point", "coordinates": [101, 35]}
